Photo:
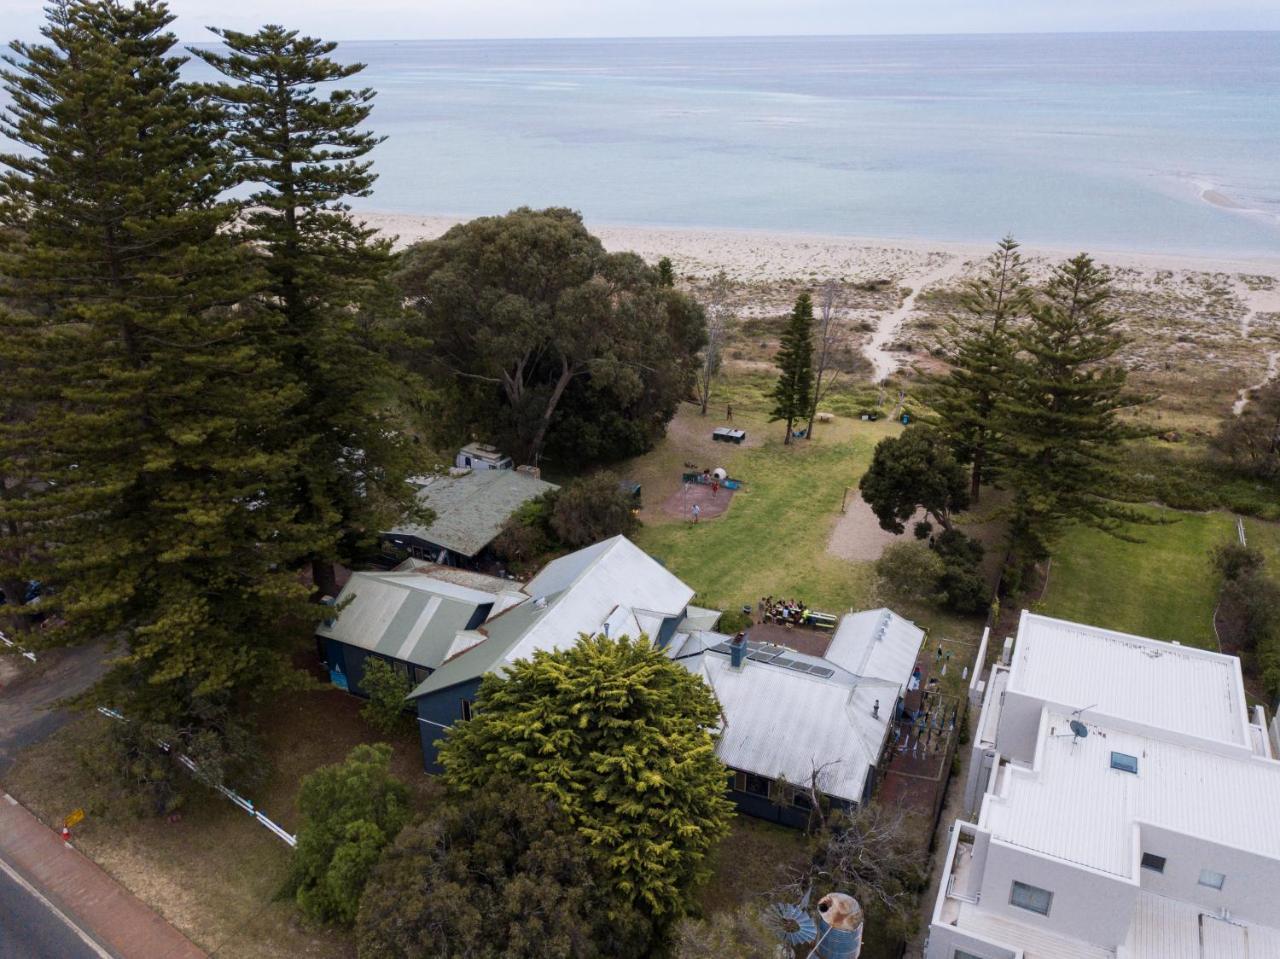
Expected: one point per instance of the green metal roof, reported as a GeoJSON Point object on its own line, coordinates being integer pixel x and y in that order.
{"type": "Point", "coordinates": [470, 509]}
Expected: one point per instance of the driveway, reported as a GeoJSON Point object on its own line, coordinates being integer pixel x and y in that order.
{"type": "Point", "coordinates": [30, 693]}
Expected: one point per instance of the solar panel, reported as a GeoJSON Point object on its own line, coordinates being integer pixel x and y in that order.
{"type": "Point", "coordinates": [798, 667]}
{"type": "Point", "coordinates": [780, 661]}
{"type": "Point", "coordinates": [761, 657]}
{"type": "Point", "coordinates": [721, 648]}
{"type": "Point", "coordinates": [821, 671]}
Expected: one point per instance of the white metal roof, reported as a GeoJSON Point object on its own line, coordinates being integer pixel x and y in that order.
{"type": "Point", "coordinates": [778, 722]}
{"type": "Point", "coordinates": [876, 643]}
{"type": "Point", "coordinates": [1072, 805]}
{"type": "Point", "coordinates": [1161, 685]}
{"type": "Point", "coordinates": [1169, 929]}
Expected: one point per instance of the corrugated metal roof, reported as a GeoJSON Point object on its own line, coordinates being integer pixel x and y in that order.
{"type": "Point", "coordinates": [1169, 929]}
{"type": "Point", "coordinates": [1072, 805]}
{"type": "Point", "coordinates": [612, 581]}
{"type": "Point", "coordinates": [876, 643]}
{"type": "Point", "coordinates": [470, 509]}
{"type": "Point", "coordinates": [1161, 685]}
{"type": "Point", "coordinates": [1035, 942]}
{"type": "Point", "coordinates": [404, 615]}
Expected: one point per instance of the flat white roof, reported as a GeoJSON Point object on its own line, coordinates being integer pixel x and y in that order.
{"type": "Point", "coordinates": [1161, 685]}
{"type": "Point", "coordinates": [1073, 806]}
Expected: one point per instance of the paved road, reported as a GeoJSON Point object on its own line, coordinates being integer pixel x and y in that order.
{"type": "Point", "coordinates": [30, 929]}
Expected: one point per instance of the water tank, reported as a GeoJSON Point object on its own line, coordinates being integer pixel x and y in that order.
{"type": "Point", "coordinates": [839, 927]}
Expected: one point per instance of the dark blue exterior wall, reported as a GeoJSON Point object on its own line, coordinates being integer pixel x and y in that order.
{"type": "Point", "coordinates": [762, 807]}
{"type": "Point", "coordinates": [436, 712]}
{"type": "Point", "coordinates": [347, 663]}
{"type": "Point", "coordinates": [667, 630]}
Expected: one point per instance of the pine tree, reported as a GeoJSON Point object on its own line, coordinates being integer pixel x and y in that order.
{"type": "Point", "coordinates": [305, 155]}
{"type": "Point", "coordinates": [980, 352]}
{"type": "Point", "coordinates": [1060, 422]}
{"type": "Point", "coordinates": [793, 393]}
{"type": "Point", "coordinates": [157, 515]}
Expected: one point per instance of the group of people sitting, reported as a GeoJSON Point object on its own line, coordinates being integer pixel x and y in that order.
{"type": "Point", "coordinates": [784, 612]}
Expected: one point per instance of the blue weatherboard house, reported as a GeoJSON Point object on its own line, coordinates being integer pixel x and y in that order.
{"type": "Point", "coordinates": [784, 716]}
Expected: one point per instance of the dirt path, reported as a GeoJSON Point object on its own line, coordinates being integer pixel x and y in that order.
{"type": "Point", "coordinates": [857, 536]}
{"type": "Point", "coordinates": [882, 361]}
{"type": "Point", "coordinates": [1257, 301]}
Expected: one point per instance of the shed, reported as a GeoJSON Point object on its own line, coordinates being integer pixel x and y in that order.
{"type": "Point", "coordinates": [469, 509]}
{"type": "Point", "coordinates": [482, 456]}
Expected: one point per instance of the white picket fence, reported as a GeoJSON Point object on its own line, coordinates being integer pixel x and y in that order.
{"type": "Point", "coordinates": [27, 654]}
{"type": "Point", "coordinates": [245, 804]}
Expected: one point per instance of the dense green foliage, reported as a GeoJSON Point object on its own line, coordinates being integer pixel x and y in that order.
{"type": "Point", "coordinates": [585, 510]}
{"type": "Point", "coordinates": [619, 736]}
{"type": "Point", "coordinates": [793, 393]}
{"type": "Point", "coordinates": [1060, 419]}
{"type": "Point", "coordinates": [328, 282]}
{"type": "Point", "coordinates": [160, 517]}
{"type": "Point", "coordinates": [499, 875]}
{"type": "Point", "coordinates": [1251, 441]}
{"type": "Point", "coordinates": [387, 690]}
{"type": "Point", "coordinates": [910, 569]}
{"type": "Point", "coordinates": [980, 354]}
{"type": "Point", "coordinates": [551, 343]}
{"type": "Point", "coordinates": [1249, 611]}
{"type": "Point", "coordinates": [350, 811]}
{"type": "Point", "coordinates": [911, 472]}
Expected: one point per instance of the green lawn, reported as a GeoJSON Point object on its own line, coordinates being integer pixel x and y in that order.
{"type": "Point", "coordinates": [1162, 587]}
{"type": "Point", "coordinates": [773, 539]}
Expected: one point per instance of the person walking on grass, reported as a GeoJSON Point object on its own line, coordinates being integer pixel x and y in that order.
{"type": "Point", "coordinates": [728, 412]}
{"type": "Point", "coordinates": [696, 511]}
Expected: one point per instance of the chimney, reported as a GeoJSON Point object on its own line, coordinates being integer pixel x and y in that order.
{"type": "Point", "coordinates": [738, 651]}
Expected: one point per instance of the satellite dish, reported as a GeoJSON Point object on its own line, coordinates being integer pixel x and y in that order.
{"type": "Point", "coordinates": [1079, 729]}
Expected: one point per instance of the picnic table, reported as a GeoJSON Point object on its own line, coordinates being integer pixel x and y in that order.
{"type": "Point", "coordinates": [724, 434]}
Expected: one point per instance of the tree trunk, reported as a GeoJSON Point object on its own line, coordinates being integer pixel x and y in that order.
{"type": "Point", "coordinates": [975, 477]}
{"type": "Point", "coordinates": [325, 576]}
{"type": "Point", "coordinates": [535, 447]}
{"type": "Point", "coordinates": [786, 440]}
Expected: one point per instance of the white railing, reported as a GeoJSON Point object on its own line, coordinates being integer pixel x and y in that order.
{"type": "Point", "coordinates": [245, 804]}
{"type": "Point", "coordinates": [27, 654]}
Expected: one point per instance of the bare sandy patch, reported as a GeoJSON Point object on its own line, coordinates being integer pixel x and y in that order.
{"type": "Point", "coordinates": [857, 536]}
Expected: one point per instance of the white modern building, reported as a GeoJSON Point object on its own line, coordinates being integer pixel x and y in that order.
{"type": "Point", "coordinates": [1125, 804]}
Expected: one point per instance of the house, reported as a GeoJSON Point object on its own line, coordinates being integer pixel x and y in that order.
{"type": "Point", "coordinates": [470, 507]}
{"type": "Point", "coordinates": [1123, 803]}
{"type": "Point", "coordinates": [793, 721]}
{"type": "Point", "coordinates": [409, 617]}
{"type": "Point", "coordinates": [482, 456]}
{"type": "Point", "coordinates": [611, 587]}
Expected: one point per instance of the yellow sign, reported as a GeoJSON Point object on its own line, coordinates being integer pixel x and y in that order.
{"type": "Point", "coordinates": [74, 818]}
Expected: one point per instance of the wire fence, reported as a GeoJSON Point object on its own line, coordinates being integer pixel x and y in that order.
{"type": "Point", "coordinates": [191, 766]}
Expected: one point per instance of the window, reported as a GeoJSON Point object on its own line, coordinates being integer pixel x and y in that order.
{"type": "Point", "coordinates": [466, 709]}
{"type": "Point", "coordinates": [961, 954]}
{"type": "Point", "coordinates": [1214, 880]}
{"type": "Point", "coordinates": [420, 674]}
{"type": "Point", "coordinates": [1153, 862]}
{"type": "Point", "coordinates": [1124, 762]}
{"type": "Point", "coordinates": [755, 785]}
{"type": "Point", "coordinates": [1031, 898]}
{"type": "Point", "coordinates": [801, 800]}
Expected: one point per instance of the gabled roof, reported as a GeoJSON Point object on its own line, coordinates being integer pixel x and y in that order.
{"type": "Point", "coordinates": [470, 509]}
{"type": "Point", "coordinates": [1107, 673]}
{"type": "Point", "coordinates": [876, 644]}
{"type": "Point", "coordinates": [406, 615]}
{"type": "Point", "coordinates": [613, 581]}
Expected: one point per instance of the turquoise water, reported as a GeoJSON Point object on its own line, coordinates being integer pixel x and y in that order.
{"type": "Point", "coordinates": [1108, 140]}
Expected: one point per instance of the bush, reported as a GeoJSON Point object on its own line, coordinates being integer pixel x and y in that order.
{"type": "Point", "coordinates": [350, 811]}
{"type": "Point", "coordinates": [590, 509]}
{"type": "Point", "coordinates": [388, 690]}
{"type": "Point", "coordinates": [734, 621]}
{"type": "Point", "coordinates": [910, 569]}
{"type": "Point", "coordinates": [526, 537]}
{"type": "Point", "coordinates": [499, 875]}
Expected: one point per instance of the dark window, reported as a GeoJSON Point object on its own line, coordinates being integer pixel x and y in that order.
{"type": "Point", "coordinates": [1153, 862]}
{"type": "Point", "coordinates": [756, 785]}
{"type": "Point", "coordinates": [1124, 762]}
{"type": "Point", "coordinates": [466, 709]}
{"type": "Point", "coordinates": [420, 674]}
{"type": "Point", "coordinates": [1031, 898]}
{"type": "Point", "coordinates": [801, 800]}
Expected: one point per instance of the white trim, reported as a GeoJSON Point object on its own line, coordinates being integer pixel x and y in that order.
{"type": "Point", "coordinates": [432, 722]}
{"type": "Point", "coordinates": [65, 919]}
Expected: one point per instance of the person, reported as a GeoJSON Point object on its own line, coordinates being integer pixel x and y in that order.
{"type": "Point", "coordinates": [715, 485]}
{"type": "Point", "coordinates": [697, 511]}
{"type": "Point", "coordinates": [728, 412]}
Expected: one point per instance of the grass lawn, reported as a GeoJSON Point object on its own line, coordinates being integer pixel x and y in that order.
{"type": "Point", "coordinates": [1162, 587]}
{"type": "Point", "coordinates": [215, 873]}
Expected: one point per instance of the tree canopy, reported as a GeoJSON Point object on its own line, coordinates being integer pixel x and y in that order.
{"type": "Point", "coordinates": [350, 811]}
{"type": "Point", "coordinates": [620, 737]}
{"type": "Point", "coordinates": [793, 393]}
{"type": "Point", "coordinates": [551, 342]}
{"type": "Point", "coordinates": [501, 874]}
{"type": "Point", "coordinates": [911, 472]}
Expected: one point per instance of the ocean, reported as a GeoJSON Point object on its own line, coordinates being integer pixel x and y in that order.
{"type": "Point", "coordinates": [1156, 142]}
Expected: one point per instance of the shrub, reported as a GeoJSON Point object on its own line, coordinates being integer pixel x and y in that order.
{"type": "Point", "coordinates": [590, 509]}
{"type": "Point", "coordinates": [910, 569]}
{"type": "Point", "coordinates": [387, 689]}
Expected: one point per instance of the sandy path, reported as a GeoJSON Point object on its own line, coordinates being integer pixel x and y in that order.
{"type": "Point", "coordinates": [857, 535]}
{"type": "Point", "coordinates": [882, 361]}
{"type": "Point", "coordinates": [1257, 301]}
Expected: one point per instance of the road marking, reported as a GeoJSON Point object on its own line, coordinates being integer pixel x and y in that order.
{"type": "Point", "coordinates": [70, 924]}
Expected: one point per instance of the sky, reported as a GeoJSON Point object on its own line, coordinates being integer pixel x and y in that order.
{"type": "Point", "coordinates": [457, 19]}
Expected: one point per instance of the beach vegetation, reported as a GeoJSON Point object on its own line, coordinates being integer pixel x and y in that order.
{"type": "Point", "coordinates": [793, 392]}
{"type": "Point", "coordinates": [1250, 441]}
{"type": "Point", "coordinates": [719, 319]}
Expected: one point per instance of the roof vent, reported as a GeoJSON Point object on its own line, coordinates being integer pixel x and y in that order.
{"type": "Point", "coordinates": [540, 603]}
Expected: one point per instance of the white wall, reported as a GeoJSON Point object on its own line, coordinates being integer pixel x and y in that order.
{"type": "Point", "coordinates": [1252, 888]}
{"type": "Point", "coordinates": [1019, 727]}
{"type": "Point", "coordinates": [945, 940]}
{"type": "Point", "coordinates": [1087, 905]}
